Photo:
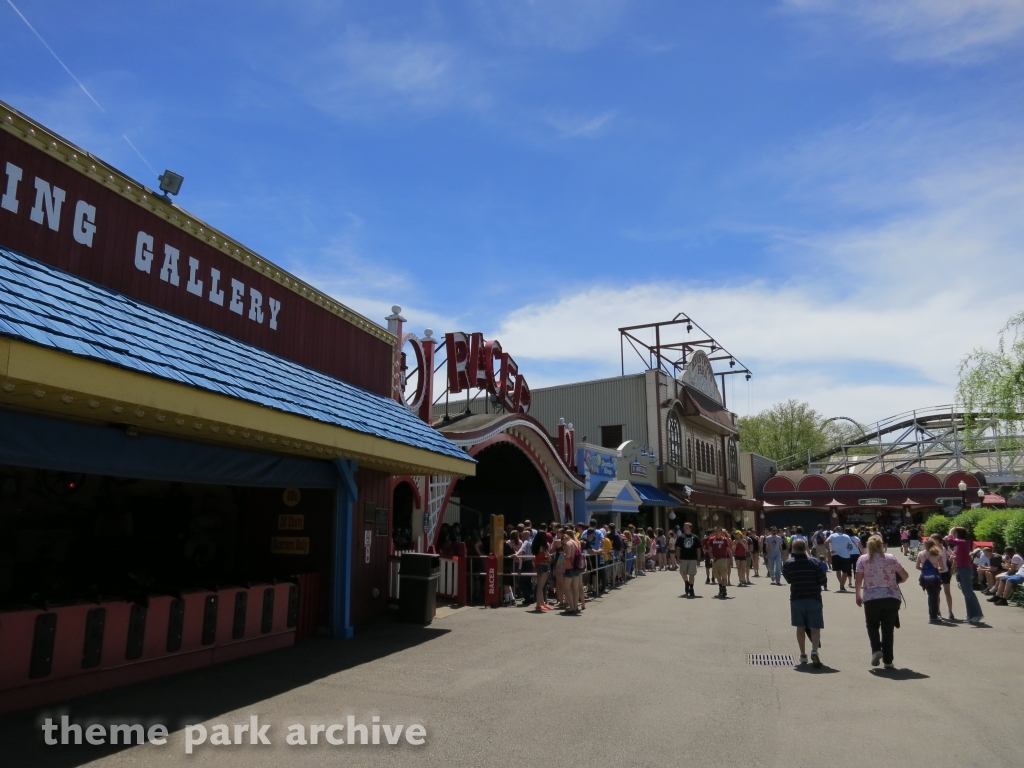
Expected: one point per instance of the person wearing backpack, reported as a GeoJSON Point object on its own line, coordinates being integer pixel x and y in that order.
{"type": "Point", "coordinates": [931, 564]}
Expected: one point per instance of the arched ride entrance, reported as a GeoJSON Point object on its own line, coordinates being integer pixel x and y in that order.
{"type": "Point", "coordinates": [506, 483]}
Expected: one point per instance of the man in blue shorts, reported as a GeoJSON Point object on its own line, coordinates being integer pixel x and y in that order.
{"type": "Point", "coordinates": [805, 577]}
{"type": "Point", "coordinates": [1009, 581]}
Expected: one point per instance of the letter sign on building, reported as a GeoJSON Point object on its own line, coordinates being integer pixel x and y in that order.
{"type": "Point", "coordinates": [474, 363]}
{"type": "Point", "coordinates": [65, 208]}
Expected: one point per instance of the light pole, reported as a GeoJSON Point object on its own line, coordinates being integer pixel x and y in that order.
{"type": "Point", "coordinates": [981, 496]}
{"type": "Point", "coordinates": [963, 494]}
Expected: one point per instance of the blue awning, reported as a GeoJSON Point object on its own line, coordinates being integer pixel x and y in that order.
{"type": "Point", "coordinates": [46, 306]}
{"type": "Point", "coordinates": [655, 497]}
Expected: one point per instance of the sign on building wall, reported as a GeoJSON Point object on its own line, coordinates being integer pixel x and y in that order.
{"type": "Point", "coordinates": [637, 463]}
{"type": "Point", "coordinates": [596, 467]}
{"type": "Point", "coordinates": [699, 375]}
{"type": "Point", "coordinates": [289, 545]}
{"type": "Point", "coordinates": [475, 363]}
{"type": "Point", "coordinates": [61, 206]}
{"type": "Point", "coordinates": [291, 522]}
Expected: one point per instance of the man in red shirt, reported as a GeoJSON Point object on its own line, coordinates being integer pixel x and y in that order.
{"type": "Point", "coordinates": [705, 545]}
{"type": "Point", "coordinates": [720, 546]}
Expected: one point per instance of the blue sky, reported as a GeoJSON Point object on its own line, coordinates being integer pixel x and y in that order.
{"type": "Point", "coordinates": [833, 189]}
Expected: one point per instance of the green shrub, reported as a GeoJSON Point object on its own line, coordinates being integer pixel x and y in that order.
{"type": "Point", "coordinates": [1013, 533]}
{"type": "Point", "coordinates": [991, 528]}
{"type": "Point", "coordinates": [937, 524]}
{"type": "Point", "coordinates": [969, 520]}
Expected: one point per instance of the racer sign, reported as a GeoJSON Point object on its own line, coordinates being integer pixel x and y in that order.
{"type": "Point", "coordinates": [474, 363]}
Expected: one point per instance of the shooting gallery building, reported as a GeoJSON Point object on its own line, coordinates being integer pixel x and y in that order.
{"type": "Point", "coordinates": [197, 449]}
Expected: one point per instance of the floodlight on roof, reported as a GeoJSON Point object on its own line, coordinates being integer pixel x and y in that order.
{"type": "Point", "coordinates": [170, 182]}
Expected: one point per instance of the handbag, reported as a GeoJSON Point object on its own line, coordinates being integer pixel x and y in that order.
{"type": "Point", "coordinates": [580, 561]}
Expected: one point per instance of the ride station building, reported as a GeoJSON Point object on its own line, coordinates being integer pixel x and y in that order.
{"type": "Point", "coordinates": [197, 448]}
{"type": "Point", "coordinates": [669, 425]}
{"type": "Point", "coordinates": [882, 499]}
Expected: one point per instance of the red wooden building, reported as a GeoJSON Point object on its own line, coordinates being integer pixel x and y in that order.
{"type": "Point", "coordinates": [196, 447]}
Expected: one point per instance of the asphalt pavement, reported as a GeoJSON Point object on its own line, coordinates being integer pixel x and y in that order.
{"type": "Point", "coordinates": [644, 677]}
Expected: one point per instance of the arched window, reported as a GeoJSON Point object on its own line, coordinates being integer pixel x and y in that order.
{"type": "Point", "coordinates": [675, 440]}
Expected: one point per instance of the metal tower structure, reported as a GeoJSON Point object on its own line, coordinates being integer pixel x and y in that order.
{"type": "Point", "coordinates": [669, 349]}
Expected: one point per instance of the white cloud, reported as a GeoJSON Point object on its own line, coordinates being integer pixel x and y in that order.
{"type": "Point", "coordinates": [798, 342]}
{"type": "Point", "coordinates": [929, 29]}
{"type": "Point", "coordinates": [913, 257]}
{"type": "Point", "coordinates": [578, 126]}
{"type": "Point", "coordinates": [567, 25]}
{"type": "Point", "coordinates": [360, 75]}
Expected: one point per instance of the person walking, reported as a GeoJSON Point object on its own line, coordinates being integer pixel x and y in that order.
{"type": "Point", "coordinates": [773, 556]}
{"type": "Point", "coordinates": [858, 548]}
{"type": "Point", "coordinates": [720, 546]}
{"type": "Point", "coordinates": [755, 552]}
{"type": "Point", "coordinates": [805, 578]}
{"type": "Point", "coordinates": [879, 576]}
{"type": "Point", "coordinates": [739, 548]}
{"type": "Point", "coordinates": [662, 550]}
{"type": "Point", "coordinates": [915, 540]}
{"type": "Point", "coordinates": [798, 535]}
{"type": "Point", "coordinates": [688, 551]}
{"type": "Point", "coordinates": [842, 556]}
{"type": "Point", "coordinates": [818, 541]}
{"type": "Point", "coordinates": [705, 544]}
{"type": "Point", "coordinates": [932, 565]}
{"type": "Point", "coordinates": [957, 539]}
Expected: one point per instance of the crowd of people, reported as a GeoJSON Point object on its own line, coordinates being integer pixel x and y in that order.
{"type": "Point", "coordinates": [562, 565]}
{"type": "Point", "coordinates": [878, 575]}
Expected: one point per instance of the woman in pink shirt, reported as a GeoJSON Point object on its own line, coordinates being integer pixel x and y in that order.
{"type": "Point", "coordinates": [957, 539]}
{"type": "Point", "coordinates": [879, 576]}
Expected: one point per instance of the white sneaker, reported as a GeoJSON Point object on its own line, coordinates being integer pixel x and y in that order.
{"type": "Point", "coordinates": [876, 657]}
{"type": "Point", "coordinates": [815, 660]}
{"type": "Point", "coordinates": [803, 658]}
{"type": "Point", "coordinates": [890, 666]}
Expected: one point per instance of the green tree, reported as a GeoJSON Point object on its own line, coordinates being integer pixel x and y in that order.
{"type": "Point", "coordinates": [992, 384]}
{"type": "Point", "coordinates": [787, 431]}
{"type": "Point", "coordinates": [1013, 532]}
{"type": "Point", "coordinates": [937, 524]}
{"type": "Point", "coordinates": [992, 528]}
{"type": "Point", "coordinates": [969, 519]}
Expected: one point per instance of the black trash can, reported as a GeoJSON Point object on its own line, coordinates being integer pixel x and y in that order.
{"type": "Point", "coordinates": [417, 587]}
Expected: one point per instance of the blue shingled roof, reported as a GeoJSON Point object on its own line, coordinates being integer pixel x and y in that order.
{"type": "Point", "coordinates": [47, 306]}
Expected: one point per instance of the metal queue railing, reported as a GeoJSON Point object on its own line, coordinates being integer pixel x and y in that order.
{"type": "Point", "coordinates": [600, 576]}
